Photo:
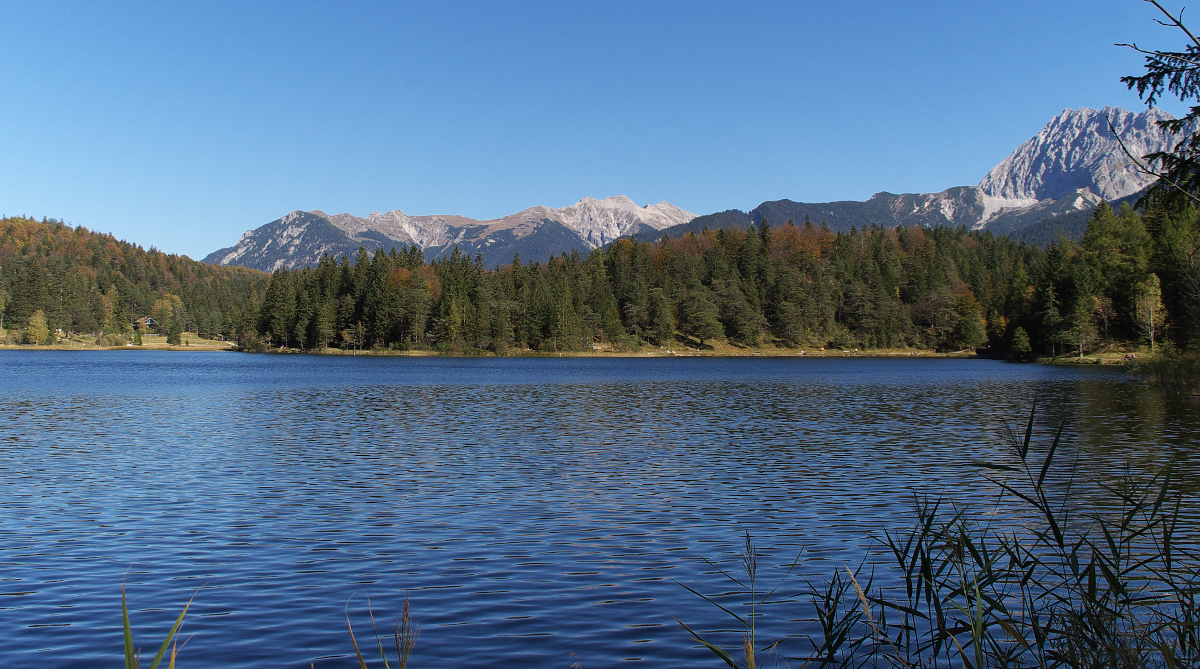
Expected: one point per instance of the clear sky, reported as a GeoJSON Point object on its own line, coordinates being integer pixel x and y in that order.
{"type": "Point", "coordinates": [181, 125]}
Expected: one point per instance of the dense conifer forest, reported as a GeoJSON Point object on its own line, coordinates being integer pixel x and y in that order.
{"type": "Point", "coordinates": [78, 281]}
{"type": "Point", "coordinates": [941, 289]}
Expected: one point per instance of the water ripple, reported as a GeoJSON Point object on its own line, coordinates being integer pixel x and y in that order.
{"type": "Point", "coordinates": [535, 511]}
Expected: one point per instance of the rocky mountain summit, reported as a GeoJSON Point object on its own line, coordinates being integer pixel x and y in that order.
{"type": "Point", "coordinates": [300, 238]}
{"type": "Point", "coordinates": [1078, 151]}
{"type": "Point", "coordinates": [1050, 182]}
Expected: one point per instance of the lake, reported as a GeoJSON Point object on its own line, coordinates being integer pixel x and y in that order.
{"type": "Point", "coordinates": [537, 512]}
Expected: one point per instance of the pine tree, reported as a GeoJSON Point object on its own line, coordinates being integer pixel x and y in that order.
{"type": "Point", "coordinates": [324, 329]}
{"type": "Point", "coordinates": [304, 314]}
{"type": "Point", "coordinates": [662, 319]}
{"type": "Point", "coordinates": [175, 332]}
{"type": "Point", "coordinates": [701, 319]}
{"type": "Point", "coordinates": [454, 324]}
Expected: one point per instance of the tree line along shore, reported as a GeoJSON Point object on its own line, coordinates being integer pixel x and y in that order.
{"type": "Point", "coordinates": [734, 290]}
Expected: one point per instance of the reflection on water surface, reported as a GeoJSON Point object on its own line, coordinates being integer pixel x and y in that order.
{"type": "Point", "coordinates": [531, 508]}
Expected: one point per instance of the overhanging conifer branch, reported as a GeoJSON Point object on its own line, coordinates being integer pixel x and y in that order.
{"type": "Point", "coordinates": [1176, 21]}
{"type": "Point", "coordinates": [1144, 169]}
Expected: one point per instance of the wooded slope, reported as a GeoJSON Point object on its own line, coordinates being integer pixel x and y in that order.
{"type": "Point", "coordinates": [87, 282]}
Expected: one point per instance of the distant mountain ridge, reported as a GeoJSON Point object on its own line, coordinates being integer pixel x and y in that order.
{"type": "Point", "coordinates": [300, 238]}
{"type": "Point", "coordinates": [1051, 181]}
{"type": "Point", "coordinates": [1067, 168]}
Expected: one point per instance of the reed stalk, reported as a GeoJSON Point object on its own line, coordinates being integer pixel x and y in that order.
{"type": "Point", "coordinates": [745, 655]}
{"type": "Point", "coordinates": [404, 635]}
{"type": "Point", "coordinates": [132, 655]}
{"type": "Point", "coordinates": [1060, 585]}
{"type": "Point", "coordinates": [1170, 369]}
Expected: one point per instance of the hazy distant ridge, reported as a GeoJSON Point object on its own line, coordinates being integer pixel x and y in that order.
{"type": "Point", "coordinates": [300, 238]}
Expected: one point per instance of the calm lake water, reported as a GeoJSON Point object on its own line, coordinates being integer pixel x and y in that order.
{"type": "Point", "coordinates": [535, 511]}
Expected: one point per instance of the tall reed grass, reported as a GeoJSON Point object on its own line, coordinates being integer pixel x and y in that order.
{"type": "Point", "coordinates": [1058, 584]}
{"type": "Point", "coordinates": [404, 635]}
{"type": "Point", "coordinates": [746, 655]}
{"type": "Point", "coordinates": [1170, 369]}
{"type": "Point", "coordinates": [133, 656]}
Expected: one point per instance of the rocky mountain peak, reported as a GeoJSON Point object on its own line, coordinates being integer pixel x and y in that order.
{"type": "Point", "coordinates": [300, 238]}
{"type": "Point", "coordinates": [599, 222]}
{"type": "Point", "coordinates": [1077, 150]}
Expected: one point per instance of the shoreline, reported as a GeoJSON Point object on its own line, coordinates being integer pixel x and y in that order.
{"type": "Point", "coordinates": [60, 347]}
{"type": "Point", "coordinates": [725, 351]}
{"type": "Point", "coordinates": [635, 354]}
{"type": "Point", "coordinates": [662, 353]}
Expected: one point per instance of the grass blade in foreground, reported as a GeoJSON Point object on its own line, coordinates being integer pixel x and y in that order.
{"type": "Point", "coordinates": [405, 635]}
{"type": "Point", "coordinates": [748, 649]}
{"type": "Point", "coordinates": [133, 658]}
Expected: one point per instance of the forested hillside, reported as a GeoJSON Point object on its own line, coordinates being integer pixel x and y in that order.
{"type": "Point", "coordinates": [85, 282]}
{"type": "Point", "coordinates": [792, 285]}
{"type": "Point", "coordinates": [941, 288]}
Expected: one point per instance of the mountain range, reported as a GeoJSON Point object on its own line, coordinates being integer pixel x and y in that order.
{"type": "Point", "coordinates": [1051, 182]}
{"type": "Point", "coordinates": [300, 238]}
{"type": "Point", "coordinates": [1048, 186]}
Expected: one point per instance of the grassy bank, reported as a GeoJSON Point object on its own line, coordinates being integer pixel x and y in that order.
{"type": "Point", "coordinates": [1176, 371]}
{"type": "Point", "coordinates": [151, 342]}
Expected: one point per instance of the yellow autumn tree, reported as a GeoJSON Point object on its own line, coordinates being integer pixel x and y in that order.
{"type": "Point", "coordinates": [36, 332]}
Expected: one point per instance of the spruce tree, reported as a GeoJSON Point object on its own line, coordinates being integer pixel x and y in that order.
{"type": "Point", "coordinates": [662, 319]}
{"type": "Point", "coordinates": [701, 319]}
{"type": "Point", "coordinates": [175, 332]}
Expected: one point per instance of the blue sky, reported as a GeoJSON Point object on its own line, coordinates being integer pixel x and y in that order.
{"type": "Point", "coordinates": [181, 125]}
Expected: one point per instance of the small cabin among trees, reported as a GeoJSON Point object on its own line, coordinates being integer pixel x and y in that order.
{"type": "Point", "coordinates": [144, 324]}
